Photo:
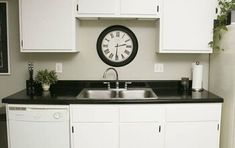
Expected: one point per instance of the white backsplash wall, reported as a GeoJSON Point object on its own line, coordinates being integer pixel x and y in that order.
{"type": "Point", "coordinates": [87, 65]}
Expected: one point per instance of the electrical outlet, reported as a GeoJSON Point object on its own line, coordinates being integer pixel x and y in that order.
{"type": "Point", "coordinates": [58, 67]}
{"type": "Point", "coordinates": [158, 67]}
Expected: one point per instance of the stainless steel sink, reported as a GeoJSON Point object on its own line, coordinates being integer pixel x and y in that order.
{"type": "Point", "coordinates": [143, 93]}
{"type": "Point", "coordinates": [137, 94]}
{"type": "Point", "coordinates": [97, 94]}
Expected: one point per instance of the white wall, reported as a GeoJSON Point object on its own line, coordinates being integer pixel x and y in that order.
{"type": "Point", "coordinates": [87, 65]}
{"type": "Point", "coordinates": [16, 81]}
{"type": "Point", "coordinates": [222, 82]}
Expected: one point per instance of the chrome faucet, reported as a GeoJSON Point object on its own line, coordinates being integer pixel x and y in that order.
{"type": "Point", "coordinates": [111, 68]}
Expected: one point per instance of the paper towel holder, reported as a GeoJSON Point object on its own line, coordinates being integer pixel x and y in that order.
{"type": "Point", "coordinates": [198, 89]}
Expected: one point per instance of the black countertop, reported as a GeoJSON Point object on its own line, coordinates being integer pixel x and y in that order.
{"type": "Point", "coordinates": [65, 92]}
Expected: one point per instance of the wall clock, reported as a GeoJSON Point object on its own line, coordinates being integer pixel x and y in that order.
{"type": "Point", "coordinates": [117, 46]}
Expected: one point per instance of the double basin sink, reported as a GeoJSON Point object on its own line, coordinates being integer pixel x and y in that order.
{"type": "Point", "coordinates": [102, 94]}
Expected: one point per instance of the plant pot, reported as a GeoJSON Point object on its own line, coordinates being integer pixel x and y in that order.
{"type": "Point", "coordinates": [45, 87]}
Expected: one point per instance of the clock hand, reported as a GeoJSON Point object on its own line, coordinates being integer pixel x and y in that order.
{"type": "Point", "coordinates": [116, 56]}
{"type": "Point", "coordinates": [122, 45]}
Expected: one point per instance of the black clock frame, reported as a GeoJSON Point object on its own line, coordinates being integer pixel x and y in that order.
{"type": "Point", "coordinates": [127, 31]}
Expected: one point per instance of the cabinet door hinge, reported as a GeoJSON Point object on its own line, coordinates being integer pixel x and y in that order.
{"type": "Point", "coordinates": [72, 129]}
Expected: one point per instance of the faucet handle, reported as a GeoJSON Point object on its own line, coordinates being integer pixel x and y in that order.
{"type": "Point", "coordinates": [126, 84]}
{"type": "Point", "coordinates": [108, 84]}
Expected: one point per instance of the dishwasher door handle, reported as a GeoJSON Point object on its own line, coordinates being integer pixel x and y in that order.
{"type": "Point", "coordinates": [46, 108]}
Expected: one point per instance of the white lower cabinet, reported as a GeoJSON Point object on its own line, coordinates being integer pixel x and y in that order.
{"type": "Point", "coordinates": [192, 126]}
{"type": "Point", "coordinates": [94, 126]}
{"type": "Point", "coordinates": [146, 126]}
{"type": "Point", "coordinates": [141, 135]}
{"type": "Point", "coordinates": [192, 135]}
{"type": "Point", "coordinates": [141, 126]}
{"type": "Point", "coordinates": [95, 135]}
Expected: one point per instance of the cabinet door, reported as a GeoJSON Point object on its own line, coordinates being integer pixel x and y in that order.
{"type": "Point", "coordinates": [141, 135]}
{"type": "Point", "coordinates": [47, 25]}
{"type": "Point", "coordinates": [141, 126]}
{"type": "Point", "coordinates": [94, 126]}
{"type": "Point", "coordinates": [192, 135]}
{"type": "Point", "coordinates": [187, 26]}
{"type": "Point", "coordinates": [140, 7]}
{"type": "Point", "coordinates": [94, 7]}
{"type": "Point", "coordinates": [95, 135]}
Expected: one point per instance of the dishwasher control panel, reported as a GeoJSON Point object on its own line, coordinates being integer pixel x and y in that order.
{"type": "Point", "coordinates": [38, 112]}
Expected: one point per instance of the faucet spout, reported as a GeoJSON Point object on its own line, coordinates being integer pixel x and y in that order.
{"type": "Point", "coordinates": [111, 68]}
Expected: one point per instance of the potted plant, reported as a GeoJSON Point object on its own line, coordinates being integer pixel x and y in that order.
{"type": "Point", "coordinates": [46, 78]}
{"type": "Point", "coordinates": [220, 25]}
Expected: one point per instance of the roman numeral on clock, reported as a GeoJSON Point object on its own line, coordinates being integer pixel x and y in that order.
{"type": "Point", "coordinates": [128, 46]}
{"type": "Point", "coordinates": [127, 40]}
{"type": "Point", "coordinates": [106, 40]}
{"type": "Point", "coordinates": [111, 56]}
{"type": "Point", "coordinates": [106, 51]}
{"type": "Point", "coordinates": [112, 36]}
{"type": "Point", "coordinates": [127, 52]}
{"type": "Point", "coordinates": [105, 46]}
{"type": "Point", "coordinates": [123, 57]}
{"type": "Point", "coordinates": [123, 36]}
{"type": "Point", "coordinates": [117, 34]}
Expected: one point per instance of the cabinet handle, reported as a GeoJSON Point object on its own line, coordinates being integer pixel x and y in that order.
{"type": "Point", "coordinates": [218, 127]}
{"type": "Point", "coordinates": [22, 43]}
{"type": "Point", "coordinates": [77, 7]}
{"type": "Point", "coordinates": [159, 128]}
{"type": "Point", "coordinates": [72, 129]}
{"type": "Point", "coordinates": [157, 8]}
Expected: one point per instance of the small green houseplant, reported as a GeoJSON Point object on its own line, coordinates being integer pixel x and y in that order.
{"type": "Point", "coordinates": [46, 78]}
{"type": "Point", "coordinates": [225, 7]}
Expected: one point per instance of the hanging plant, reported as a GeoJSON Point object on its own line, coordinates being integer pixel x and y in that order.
{"type": "Point", "coordinates": [220, 25]}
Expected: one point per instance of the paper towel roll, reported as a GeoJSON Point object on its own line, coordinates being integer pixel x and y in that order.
{"type": "Point", "coordinates": [197, 77]}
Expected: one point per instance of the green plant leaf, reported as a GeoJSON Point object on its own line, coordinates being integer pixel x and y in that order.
{"type": "Point", "coordinates": [220, 25]}
{"type": "Point", "coordinates": [47, 77]}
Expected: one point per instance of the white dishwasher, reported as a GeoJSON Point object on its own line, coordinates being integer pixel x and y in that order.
{"type": "Point", "coordinates": [38, 126]}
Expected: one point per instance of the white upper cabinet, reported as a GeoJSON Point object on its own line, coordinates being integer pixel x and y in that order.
{"type": "Point", "coordinates": [89, 9]}
{"type": "Point", "coordinates": [186, 26]}
{"type": "Point", "coordinates": [94, 7]}
{"type": "Point", "coordinates": [48, 25]}
{"type": "Point", "coordinates": [140, 7]}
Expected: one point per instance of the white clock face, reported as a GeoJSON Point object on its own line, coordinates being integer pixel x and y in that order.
{"type": "Point", "coordinates": [117, 46]}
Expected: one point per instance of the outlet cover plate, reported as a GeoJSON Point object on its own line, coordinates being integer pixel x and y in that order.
{"type": "Point", "coordinates": [58, 67]}
{"type": "Point", "coordinates": [159, 67]}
